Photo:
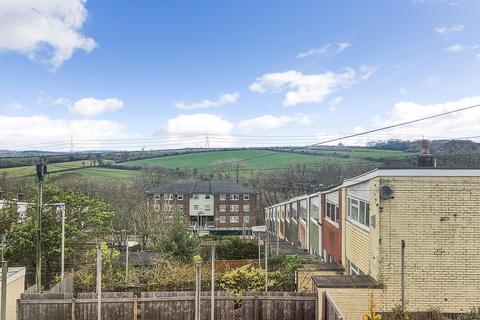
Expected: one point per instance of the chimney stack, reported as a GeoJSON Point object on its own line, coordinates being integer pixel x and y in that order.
{"type": "Point", "coordinates": [424, 158]}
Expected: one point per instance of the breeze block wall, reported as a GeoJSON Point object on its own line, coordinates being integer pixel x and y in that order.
{"type": "Point", "coordinates": [439, 220]}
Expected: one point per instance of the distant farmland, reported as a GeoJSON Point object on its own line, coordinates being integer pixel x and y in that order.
{"type": "Point", "coordinates": [261, 161]}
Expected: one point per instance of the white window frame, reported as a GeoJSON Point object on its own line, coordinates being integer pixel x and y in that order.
{"type": "Point", "coordinates": [223, 208]}
{"type": "Point", "coordinates": [156, 197]}
{"type": "Point", "coordinates": [246, 219]}
{"type": "Point", "coordinates": [223, 197]}
{"type": "Point", "coordinates": [362, 218]}
{"type": "Point", "coordinates": [234, 197]}
{"type": "Point", "coordinates": [156, 207]}
{"type": "Point", "coordinates": [207, 197]}
{"type": "Point", "coordinates": [207, 208]}
{"type": "Point", "coordinates": [234, 219]}
{"type": "Point", "coordinates": [167, 196]}
{"type": "Point", "coordinates": [353, 269]}
{"type": "Point", "coordinates": [222, 219]}
{"type": "Point", "coordinates": [195, 196]}
{"type": "Point", "coordinates": [195, 207]}
{"type": "Point", "coordinates": [179, 196]}
{"type": "Point", "coordinates": [234, 208]}
{"type": "Point", "coordinates": [246, 208]}
{"type": "Point", "coordinates": [246, 196]}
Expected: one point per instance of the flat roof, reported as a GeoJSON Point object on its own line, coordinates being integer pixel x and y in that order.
{"type": "Point", "coordinates": [411, 172]}
{"type": "Point", "coordinates": [346, 281]}
{"type": "Point", "coordinates": [13, 274]}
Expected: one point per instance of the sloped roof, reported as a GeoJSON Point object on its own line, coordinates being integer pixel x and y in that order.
{"type": "Point", "coordinates": [202, 186]}
{"type": "Point", "coordinates": [13, 274]}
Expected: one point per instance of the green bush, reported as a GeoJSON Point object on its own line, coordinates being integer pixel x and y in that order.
{"type": "Point", "coordinates": [235, 248]}
{"type": "Point", "coordinates": [474, 314]}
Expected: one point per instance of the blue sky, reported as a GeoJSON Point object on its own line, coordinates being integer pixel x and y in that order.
{"type": "Point", "coordinates": [167, 73]}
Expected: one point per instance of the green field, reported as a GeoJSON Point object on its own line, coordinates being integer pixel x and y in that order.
{"type": "Point", "coordinates": [52, 167]}
{"type": "Point", "coordinates": [103, 172]}
{"type": "Point", "coordinates": [208, 159]}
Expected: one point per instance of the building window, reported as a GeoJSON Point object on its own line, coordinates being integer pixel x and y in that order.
{"type": "Point", "coordinates": [294, 210]}
{"type": "Point", "coordinates": [223, 197]}
{"type": "Point", "coordinates": [234, 208]}
{"type": "Point", "coordinates": [246, 197]}
{"type": "Point", "coordinates": [332, 212]}
{"type": "Point", "coordinates": [223, 208]}
{"type": "Point", "coordinates": [156, 197]}
{"type": "Point", "coordinates": [223, 219]}
{"type": "Point", "coordinates": [156, 207]}
{"type": "Point", "coordinates": [302, 212]}
{"type": "Point", "coordinates": [234, 219]}
{"type": "Point", "coordinates": [167, 207]}
{"type": "Point", "coordinates": [168, 196]}
{"type": "Point", "coordinates": [179, 196]}
{"type": "Point", "coordinates": [207, 207]}
{"type": "Point", "coordinates": [195, 207]}
{"type": "Point", "coordinates": [246, 219]}
{"type": "Point", "coordinates": [180, 207]}
{"type": "Point", "coordinates": [234, 196]}
{"type": "Point", "coordinates": [195, 196]}
{"type": "Point", "coordinates": [315, 208]}
{"type": "Point", "coordinates": [354, 270]}
{"type": "Point", "coordinates": [246, 208]}
{"type": "Point", "coordinates": [207, 196]}
{"type": "Point", "coordinates": [359, 211]}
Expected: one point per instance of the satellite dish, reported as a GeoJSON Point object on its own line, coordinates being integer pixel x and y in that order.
{"type": "Point", "coordinates": [386, 193]}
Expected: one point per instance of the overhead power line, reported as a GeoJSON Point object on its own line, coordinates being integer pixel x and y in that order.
{"type": "Point", "coordinates": [364, 132]}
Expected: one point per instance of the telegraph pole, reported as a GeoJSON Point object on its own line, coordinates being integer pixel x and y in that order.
{"type": "Point", "coordinates": [41, 169]}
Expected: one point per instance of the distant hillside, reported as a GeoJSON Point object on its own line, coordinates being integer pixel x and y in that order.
{"type": "Point", "coordinates": [436, 146]}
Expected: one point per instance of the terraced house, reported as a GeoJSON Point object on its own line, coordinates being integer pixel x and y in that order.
{"type": "Point", "coordinates": [209, 206]}
{"type": "Point", "coordinates": [426, 217]}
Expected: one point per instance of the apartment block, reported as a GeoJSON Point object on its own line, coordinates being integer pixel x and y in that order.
{"type": "Point", "coordinates": [215, 207]}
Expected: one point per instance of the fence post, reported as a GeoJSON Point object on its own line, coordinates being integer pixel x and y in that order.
{"type": "Point", "coordinates": [19, 310]}
{"type": "Point", "coordinates": [256, 307]}
{"type": "Point", "coordinates": [198, 284]}
{"type": "Point", "coordinates": [212, 302]}
{"type": "Point", "coordinates": [73, 308]}
{"type": "Point", "coordinates": [3, 304]}
{"type": "Point", "coordinates": [135, 308]}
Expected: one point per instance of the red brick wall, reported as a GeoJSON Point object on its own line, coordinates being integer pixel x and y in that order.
{"type": "Point", "coordinates": [331, 235]}
{"type": "Point", "coordinates": [227, 202]}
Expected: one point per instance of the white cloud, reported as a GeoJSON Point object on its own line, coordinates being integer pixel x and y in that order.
{"type": "Point", "coordinates": [269, 121]}
{"type": "Point", "coordinates": [91, 107]}
{"type": "Point", "coordinates": [47, 30]}
{"type": "Point", "coordinates": [456, 48]}
{"type": "Point", "coordinates": [460, 124]}
{"type": "Point", "coordinates": [367, 71]}
{"type": "Point", "coordinates": [38, 132]}
{"type": "Point", "coordinates": [223, 100]}
{"type": "Point", "coordinates": [341, 46]}
{"type": "Point", "coordinates": [303, 88]}
{"type": "Point", "coordinates": [334, 102]}
{"type": "Point", "coordinates": [313, 52]}
{"type": "Point", "coordinates": [14, 106]}
{"type": "Point", "coordinates": [200, 123]}
{"type": "Point", "coordinates": [448, 30]}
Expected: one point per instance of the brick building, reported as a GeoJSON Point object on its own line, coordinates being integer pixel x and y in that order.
{"type": "Point", "coordinates": [216, 207]}
{"type": "Point", "coordinates": [435, 212]}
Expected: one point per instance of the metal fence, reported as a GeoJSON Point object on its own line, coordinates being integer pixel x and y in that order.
{"type": "Point", "coordinates": [167, 305]}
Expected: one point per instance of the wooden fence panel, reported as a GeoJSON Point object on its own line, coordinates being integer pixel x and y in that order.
{"type": "Point", "coordinates": [110, 310]}
{"type": "Point", "coordinates": [64, 286]}
{"type": "Point", "coordinates": [224, 306]}
{"type": "Point", "coordinates": [279, 305]}
{"type": "Point", "coordinates": [36, 306]}
{"type": "Point", "coordinates": [181, 307]}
